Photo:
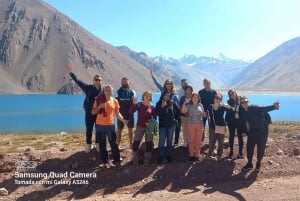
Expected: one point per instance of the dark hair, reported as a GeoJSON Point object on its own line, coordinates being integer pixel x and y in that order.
{"type": "Point", "coordinates": [219, 95]}
{"type": "Point", "coordinates": [188, 87]}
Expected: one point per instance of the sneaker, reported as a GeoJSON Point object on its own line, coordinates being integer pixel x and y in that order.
{"type": "Point", "coordinates": [258, 165]}
{"type": "Point", "coordinates": [211, 158]}
{"type": "Point", "coordinates": [175, 144]}
{"type": "Point", "coordinates": [97, 147]}
{"type": "Point", "coordinates": [169, 159]}
{"type": "Point", "coordinates": [104, 165]}
{"type": "Point", "coordinates": [230, 156]}
{"type": "Point", "coordinates": [160, 160]}
{"type": "Point", "coordinates": [248, 166]}
{"type": "Point", "coordinates": [88, 148]}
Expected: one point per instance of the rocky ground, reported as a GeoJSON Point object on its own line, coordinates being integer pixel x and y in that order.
{"type": "Point", "coordinates": [279, 178]}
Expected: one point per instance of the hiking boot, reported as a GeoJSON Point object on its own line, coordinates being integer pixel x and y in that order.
{"type": "Point", "coordinates": [97, 147]}
{"type": "Point", "coordinates": [88, 148]}
{"type": "Point", "coordinates": [160, 160]}
{"type": "Point", "coordinates": [169, 159]}
{"type": "Point", "coordinates": [219, 158]}
{"type": "Point", "coordinates": [118, 165]}
{"type": "Point", "coordinates": [248, 166]}
{"type": "Point", "coordinates": [258, 166]}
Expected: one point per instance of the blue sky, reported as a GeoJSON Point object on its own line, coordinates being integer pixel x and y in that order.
{"type": "Point", "coordinates": [238, 28]}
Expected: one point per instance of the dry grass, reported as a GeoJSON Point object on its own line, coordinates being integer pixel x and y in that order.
{"type": "Point", "coordinates": [14, 143]}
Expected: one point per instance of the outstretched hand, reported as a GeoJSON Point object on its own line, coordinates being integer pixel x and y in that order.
{"type": "Point", "coordinates": [277, 105]}
{"type": "Point", "coordinates": [70, 68]}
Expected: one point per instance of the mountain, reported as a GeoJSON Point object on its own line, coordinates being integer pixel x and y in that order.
{"type": "Point", "coordinates": [219, 69]}
{"type": "Point", "coordinates": [36, 43]}
{"type": "Point", "coordinates": [161, 72]}
{"type": "Point", "coordinates": [278, 70]}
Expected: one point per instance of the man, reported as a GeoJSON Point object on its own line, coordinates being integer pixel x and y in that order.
{"type": "Point", "coordinates": [91, 91]}
{"type": "Point", "coordinates": [180, 94]}
{"type": "Point", "coordinates": [207, 95]}
{"type": "Point", "coordinates": [125, 97]}
{"type": "Point", "coordinates": [105, 126]}
{"type": "Point", "coordinates": [256, 120]}
{"type": "Point", "coordinates": [181, 91]}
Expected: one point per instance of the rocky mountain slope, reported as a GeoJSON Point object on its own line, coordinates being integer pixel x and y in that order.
{"type": "Point", "coordinates": [279, 70]}
{"type": "Point", "coordinates": [36, 43]}
{"type": "Point", "coordinates": [161, 72]}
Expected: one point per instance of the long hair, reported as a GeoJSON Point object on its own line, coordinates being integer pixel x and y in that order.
{"type": "Point", "coordinates": [173, 90]}
{"type": "Point", "coordinates": [195, 94]}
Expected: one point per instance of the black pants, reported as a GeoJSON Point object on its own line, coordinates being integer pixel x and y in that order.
{"type": "Point", "coordinates": [108, 131]}
{"type": "Point", "coordinates": [90, 121]}
{"type": "Point", "coordinates": [214, 137]}
{"type": "Point", "coordinates": [259, 139]}
{"type": "Point", "coordinates": [204, 124]}
{"type": "Point", "coordinates": [177, 131]}
{"type": "Point", "coordinates": [235, 126]}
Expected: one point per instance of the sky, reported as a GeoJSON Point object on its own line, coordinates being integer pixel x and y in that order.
{"type": "Point", "coordinates": [239, 29]}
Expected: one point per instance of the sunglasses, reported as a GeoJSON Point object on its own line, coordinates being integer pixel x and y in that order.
{"type": "Point", "coordinates": [97, 80]}
{"type": "Point", "coordinates": [218, 98]}
{"type": "Point", "coordinates": [244, 102]}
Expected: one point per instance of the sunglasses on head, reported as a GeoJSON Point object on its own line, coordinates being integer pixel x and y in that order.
{"type": "Point", "coordinates": [243, 102]}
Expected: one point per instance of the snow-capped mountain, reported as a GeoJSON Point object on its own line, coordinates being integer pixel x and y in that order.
{"type": "Point", "coordinates": [220, 69]}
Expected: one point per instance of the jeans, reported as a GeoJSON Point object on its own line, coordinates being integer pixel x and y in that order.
{"type": "Point", "coordinates": [108, 131]}
{"type": "Point", "coordinates": [165, 133]}
{"type": "Point", "coordinates": [90, 121]}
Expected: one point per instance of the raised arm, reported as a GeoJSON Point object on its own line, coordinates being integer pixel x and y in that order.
{"type": "Point", "coordinates": [158, 85]}
{"type": "Point", "coordinates": [81, 84]}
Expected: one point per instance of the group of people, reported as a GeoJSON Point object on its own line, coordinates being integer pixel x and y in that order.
{"type": "Point", "coordinates": [174, 110]}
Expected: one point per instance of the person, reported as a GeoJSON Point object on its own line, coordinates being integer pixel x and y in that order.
{"type": "Point", "coordinates": [256, 119]}
{"type": "Point", "coordinates": [234, 123]}
{"type": "Point", "coordinates": [196, 113]}
{"type": "Point", "coordinates": [169, 87]}
{"type": "Point", "coordinates": [207, 95]}
{"type": "Point", "coordinates": [184, 116]}
{"type": "Point", "coordinates": [181, 91]}
{"type": "Point", "coordinates": [168, 113]}
{"type": "Point", "coordinates": [146, 112]}
{"type": "Point", "coordinates": [125, 97]}
{"type": "Point", "coordinates": [216, 120]}
{"type": "Point", "coordinates": [106, 108]}
{"type": "Point", "coordinates": [91, 91]}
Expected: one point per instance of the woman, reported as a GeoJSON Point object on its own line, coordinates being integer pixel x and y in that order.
{"type": "Point", "coordinates": [169, 87]}
{"type": "Point", "coordinates": [195, 124]}
{"type": "Point", "coordinates": [146, 112]}
{"type": "Point", "coordinates": [217, 126]}
{"type": "Point", "coordinates": [168, 113]}
{"type": "Point", "coordinates": [234, 124]}
{"type": "Point", "coordinates": [184, 116]}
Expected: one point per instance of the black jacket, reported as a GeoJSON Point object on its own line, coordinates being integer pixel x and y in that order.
{"type": "Point", "coordinates": [90, 93]}
{"type": "Point", "coordinates": [168, 115]}
{"type": "Point", "coordinates": [256, 119]}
